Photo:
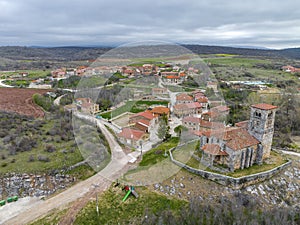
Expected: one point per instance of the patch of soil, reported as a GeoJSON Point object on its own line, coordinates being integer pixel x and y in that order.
{"type": "Point", "coordinates": [19, 100]}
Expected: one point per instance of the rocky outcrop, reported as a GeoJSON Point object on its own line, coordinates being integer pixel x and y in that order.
{"type": "Point", "coordinates": [280, 190]}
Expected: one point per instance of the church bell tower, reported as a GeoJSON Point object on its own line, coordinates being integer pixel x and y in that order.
{"type": "Point", "coordinates": [261, 125]}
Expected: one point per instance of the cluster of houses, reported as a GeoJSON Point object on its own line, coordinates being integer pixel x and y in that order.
{"type": "Point", "coordinates": [142, 126]}
{"type": "Point", "coordinates": [235, 147]}
{"type": "Point", "coordinates": [62, 73]}
{"type": "Point", "coordinates": [171, 74]}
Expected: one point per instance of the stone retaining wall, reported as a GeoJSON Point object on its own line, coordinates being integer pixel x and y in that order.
{"type": "Point", "coordinates": [232, 182]}
{"type": "Point", "coordinates": [24, 185]}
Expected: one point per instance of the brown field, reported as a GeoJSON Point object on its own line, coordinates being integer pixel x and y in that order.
{"type": "Point", "coordinates": [20, 101]}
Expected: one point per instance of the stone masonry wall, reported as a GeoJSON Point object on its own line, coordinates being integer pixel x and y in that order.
{"type": "Point", "coordinates": [24, 185]}
{"type": "Point", "coordinates": [235, 183]}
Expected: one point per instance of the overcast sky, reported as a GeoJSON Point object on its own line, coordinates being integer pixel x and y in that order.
{"type": "Point", "coordinates": [266, 23]}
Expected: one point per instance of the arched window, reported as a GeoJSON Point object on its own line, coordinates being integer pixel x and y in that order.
{"type": "Point", "coordinates": [257, 114]}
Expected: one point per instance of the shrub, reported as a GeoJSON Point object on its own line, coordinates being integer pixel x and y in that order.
{"type": "Point", "coordinates": [31, 158]}
{"type": "Point", "coordinates": [43, 158]}
{"type": "Point", "coordinates": [50, 148]}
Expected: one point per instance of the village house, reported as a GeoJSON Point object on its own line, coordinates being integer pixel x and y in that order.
{"type": "Point", "coordinates": [148, 69]}
{"type": "Point", "coordinates": [240, 147]}
{"type": "Point", "coordinates": [128, 71]}
{"type": "Point", "coordinates": [59, 73]}
{"type": "Point", "coordinates": [132, 137]}
{"type": "Point", "coordinates": [184, 98]}
{"type": "Point", "coordinates": [169, 73]}
{"type": "Point", "coordinates": [159, 91]}
{"type": "Point", "coordinates": [200, 97]}
{"type": "Point", "coordinates": [198, 124]}
{"type": "Point", "coordinates": [217, 113]}
{"type": "Point", "coordinates": [87, 106]}
{"type": "Point", "coordinates": [213, 85]}
{"type": "Point", "coordinates": [172, 79]}
{"type": "Point", "coordinates": [290, 69]}
{"type": "Point", "coordinates": [142, 115]}
{"type": "Point", "coordinates": [187, 109]}
{"type": "Point", "coordinates": [160, 111]}
{"type": "Point", "coordinates": [80, 70]}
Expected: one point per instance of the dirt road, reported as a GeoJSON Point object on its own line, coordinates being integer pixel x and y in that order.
{"type": "Point", "coordinates": [101, 181]}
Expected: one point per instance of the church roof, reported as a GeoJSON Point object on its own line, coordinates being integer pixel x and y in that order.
{"type": "Point", "coordinates": [239, 139]}
{"type": "Point", "coordinates": [213, 149]}
{"type": "Point", "coordinates": [264, 106]}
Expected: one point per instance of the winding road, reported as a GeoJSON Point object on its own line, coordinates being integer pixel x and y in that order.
{"type": "Point", "coordinates": [5, 85]}
{"type": "Point", "coordinates": [99, 182]}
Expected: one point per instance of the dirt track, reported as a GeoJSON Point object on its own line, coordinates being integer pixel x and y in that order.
{"type": "Point", "coordinates": [20, 101]}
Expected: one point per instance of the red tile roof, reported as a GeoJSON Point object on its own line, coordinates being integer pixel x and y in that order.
{"type": "Point", "coordinates": [180, 106]}
{"type": "Point", "coordinates": [212, 125]}
{"type": "Point", "coordinates": [160, 110]}
{"type": "Point", "coordinates": [193, 105]}
{"type": "Point", "coordinates": [191, 119]}
{"type": "Point", "coordinates": [147, 115]}
{"type": "Point", "coordinates": [264, 106]}
{"type": "Point", "coordinates": [172, 77]}
{"type": "Point", "coordinates": [201, 99]}
{"type": "Point", "coordinates": [129, 133]}
{"type": "Point", "coordinates": [243, 124]}
{"type": "Point", "coordinates": [211, 114]}
{"type": "Point", "coordinates": [213, 149]}
{"type": "Point", "coordinates": [184, 97]}
{"type": "Point", "coordinates": [239, 139]}
{"type": "Point", "coordinates": [143, 122]}
{"type": "Point", "coordinates": [220, 108]}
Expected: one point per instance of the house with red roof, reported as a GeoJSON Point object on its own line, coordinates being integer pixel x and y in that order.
{"type": "Point", "coordinates": [132, 137]}
{"type": "Point", "coordinates": [242, 146]}
{"type": "Point", "coordinates": [187, 109]}
{"type": "Point", "coordinates": [184, 98]}
{"type": "Point", "coordinates": [149, 116]}
{"type": "Point", "coordinates": [160, 111]}
{"type": "Point", "coordinates": [198, 124]}
{"type": "Point", "coordinates": [172, 79]}
{"type": "Point", "coordinates": [217, 113]}
{"type": "Point", "coordinates": [290, 69]}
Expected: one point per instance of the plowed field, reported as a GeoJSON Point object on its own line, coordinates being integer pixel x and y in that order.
{"type": "Point", "coordinates": [20, 101]}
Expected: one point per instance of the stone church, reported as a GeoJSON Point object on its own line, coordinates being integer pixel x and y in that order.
{"type": "Point", "coordinates": [245, 144]}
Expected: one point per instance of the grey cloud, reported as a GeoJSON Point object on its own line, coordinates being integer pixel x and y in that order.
{"type": "Point", "coordinates": [259, 22]}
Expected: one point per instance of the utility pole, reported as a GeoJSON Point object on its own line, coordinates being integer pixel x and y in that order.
{"type": "Point", "coordinates": [97, 205]}
{"type": "Point", "coordinates": [141, 145]}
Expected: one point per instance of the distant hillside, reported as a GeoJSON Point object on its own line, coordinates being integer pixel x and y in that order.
{"type": "Point", "coordinates": [57, 53]}
{"type": "Point", "coordinates": [293, 53]}
{"type": "Point", "coordinates": [84, 53]}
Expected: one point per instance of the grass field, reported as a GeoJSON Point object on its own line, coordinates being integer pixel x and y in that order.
{"type": "Point", "coordinates": [274, 161]}
{"type": "Point", "coordinates": [133, 107]}
{"type": "Point", "coordinates": [32, 74]}
{"type": "Point", "coordinates": [125, 212]}
{"type": "Point", "coordinates": [156, 155]}
{"type": "Point", "coordinates": [113, 211]}
{"type": "Point", "coordinates": [236, 61]}
{"type": "Point", "coordinates": [125, 108]}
